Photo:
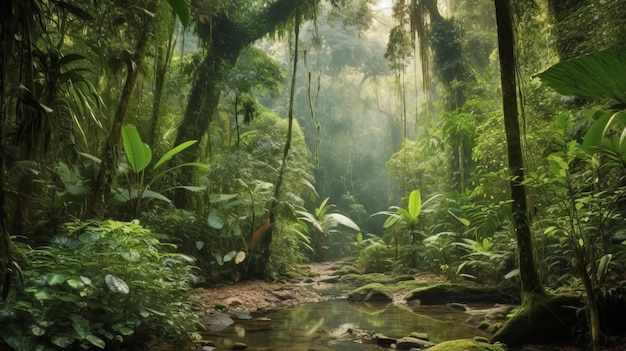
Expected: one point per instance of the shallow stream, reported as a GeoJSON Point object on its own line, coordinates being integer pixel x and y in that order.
{"type": "Point", "coordinates": [328, 325]}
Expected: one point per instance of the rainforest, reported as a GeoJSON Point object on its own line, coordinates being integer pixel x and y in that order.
{"type": "Point", "coordinates": [155, 154]}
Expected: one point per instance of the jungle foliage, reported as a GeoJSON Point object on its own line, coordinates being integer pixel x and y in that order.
{"type": "Point", "coordinates": [385, 145]}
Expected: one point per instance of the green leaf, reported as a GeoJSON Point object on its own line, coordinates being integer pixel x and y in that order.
{"type": "Point", "coordinates": [78, 12]}
{"type": "Point", "coordinates": [462, 220]}
{"type": "Point", "coordinates": [93, 158]}
{"type": "Point", "coordinates": [199, 245]}
{"type": "Point", "coordinates": [96, 341]}
{"type": "Point", "coordinates": [81, 325]}
{"type": "Point", "coordinates": [214, 220]}
{"type": "Point", "coordinates": [125, 195]}
{"type": "Point", "coordinates": [415, 204]}
{"type": "Point", "coordinates": [62, 341]}
{"type": "Point", "coordinates": [390, 221]}
{"type": "Point", "coordinates": [138, 153]}
{"type": "Point", "coordinates": [344, 221]}
{"type": "Point", "coordinates": [221, 197]}
{"type": "Point", "coordinates": [181, 9]}
{"type": "Point", "coordinates": [55, 279]}
{"type": "Point", "coordinates": [126, 331]}
{"type": "Point", "coordinates": [600, 74]}
{"type": "Point", "coordinates": [511, 274]}
{"type": "Point", "coordinates": [557, 165]}
{"type": "Point", "coordinates": [168, 155]}
{"type": "Point", "coordinates": [603, 266]}
{"type": "Point", "coordinates": [229, 256]}
{"type": "Point", "coordinates": [116, 285]}
{"type": "Point", "coordinates": [218, 258]}
{"type": "Point", "coordinates": [36, 330]}
{"type": "Point", "coordinates": [193, 189]}
{"type": "Point", "coordinates": [42, 295]}
{"type": "Point", "coordinates": [594, 135]}
{"type": "Point", "coordinates": [75, 283]}
{"type": "Point", "coordinates": [486, 244]}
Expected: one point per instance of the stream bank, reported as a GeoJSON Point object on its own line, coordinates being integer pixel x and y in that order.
{"type": "Point", "coordinates": [254, 297]}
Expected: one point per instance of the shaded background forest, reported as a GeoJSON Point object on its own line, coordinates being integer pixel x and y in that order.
{"type": "Point", "coordinates": [286, 161]}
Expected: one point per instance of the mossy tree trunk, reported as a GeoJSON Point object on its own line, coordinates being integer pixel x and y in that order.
{"type": "Point", "coordinates": [227, 38]}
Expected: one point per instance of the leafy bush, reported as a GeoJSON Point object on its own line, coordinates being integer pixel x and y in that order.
{"type": "Point", "coordinates": [376, 258]}
{"type": "Point", "coordinates": [105, 284]}
{"type": "Point", "coordinates": [289, 244]}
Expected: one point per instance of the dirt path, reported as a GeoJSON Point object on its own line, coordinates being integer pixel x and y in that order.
{"type": "Point", "coordinates": [257, 295]}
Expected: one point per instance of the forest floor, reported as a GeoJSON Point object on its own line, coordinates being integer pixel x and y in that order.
{"type": "Point", "coordinates": [259, 296]}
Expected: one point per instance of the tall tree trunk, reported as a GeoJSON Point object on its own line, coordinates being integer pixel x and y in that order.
{"type": "Point", "coordinates": [506, 47]}
{"type": "Point", "coordinates": [266, 241]}
{"type": "Point", "coordinates": [162, 64]}
{"type": "Point", "coordinates": [109, 157]}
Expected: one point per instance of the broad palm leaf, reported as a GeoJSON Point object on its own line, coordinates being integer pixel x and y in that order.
{"type": "Point", "coordinates": [600, 74]}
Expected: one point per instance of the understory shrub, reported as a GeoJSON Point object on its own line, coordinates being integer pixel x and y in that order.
{"type": "Point", "coordinates": [376, 258]}
{"type": "Point", "coordinates": [102, 285]}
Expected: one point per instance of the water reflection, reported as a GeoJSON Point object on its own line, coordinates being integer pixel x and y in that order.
{"type": "Point", "coordinates": [328, 325]}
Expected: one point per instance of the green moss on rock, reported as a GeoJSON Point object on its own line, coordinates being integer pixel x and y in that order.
{"type": "Point", "coordinates": [466, 345]}
{"type": "Point", "coordinates": [371, 292]}
{"type": "Point", "coordinates": [365, 279]}
{"type": "Point", "coordinates": [450, 292]}
{"type": "Point", "coordinates": [545, 319]}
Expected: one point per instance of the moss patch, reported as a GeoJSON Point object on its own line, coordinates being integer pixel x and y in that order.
{"type": "Point", "coordinates": [371, 292]}
{"type": "Point", "coordinates": [448, 292]}
{"type": "Point", "coordinates": [466, 345]}
{"type": "Point", "coordinates": [408, 285]}
{"type": "Point", "coordinates": [364, 279]}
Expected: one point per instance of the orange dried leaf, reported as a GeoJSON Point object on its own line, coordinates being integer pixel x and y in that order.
{"type": "Point", "coordinates": [258, 235]}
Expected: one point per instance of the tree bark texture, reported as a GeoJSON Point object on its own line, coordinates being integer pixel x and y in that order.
{"type": "Point", "coordinates": [228, 39]}
{"type": "Point", "coordinates": [506, 46]}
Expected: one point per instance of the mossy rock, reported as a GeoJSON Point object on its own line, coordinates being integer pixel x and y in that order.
{"type": "Point", "coordinates": [408, 285]}
{"type": "Point", "coordinates": [466, 345]}
{"type": "Point", "coordinates": [450, 292]}
{"type": "Point", "coordinates": [345, 269]}
{"type": "Point", "coordinates": [365, 279]}
{"type": "Point", "coordinates": [544, 319]}
{"type": "Point", "coordinates": [371, 292]}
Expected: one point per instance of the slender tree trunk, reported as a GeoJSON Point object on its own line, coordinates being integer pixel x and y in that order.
{"type": "Point", "coordinates": [266, 241]}
{"type": "Point", "coordinates": [162, 65]}
{"type": "Point", "coordinates": [108, 167]}
{"type": "Point", "coordinates": [506, 46]}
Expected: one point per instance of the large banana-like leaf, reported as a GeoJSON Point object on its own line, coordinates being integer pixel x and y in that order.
{"type": "Point", "coordinates": [137, 152]}
{"type": "Point", "coordinates": [415, 204]}
{"type": "Point", "coordinates": [600, 74]}
{"type": "Point", "coordinates": [181, 9]}
{"type": "Point", "coordinates": [344, 221]}
{"type": "Point", "coordinates": [168, 155]}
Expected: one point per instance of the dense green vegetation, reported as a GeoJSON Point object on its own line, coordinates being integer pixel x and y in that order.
{"type": "Point", "coordinates": [173, 144]}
